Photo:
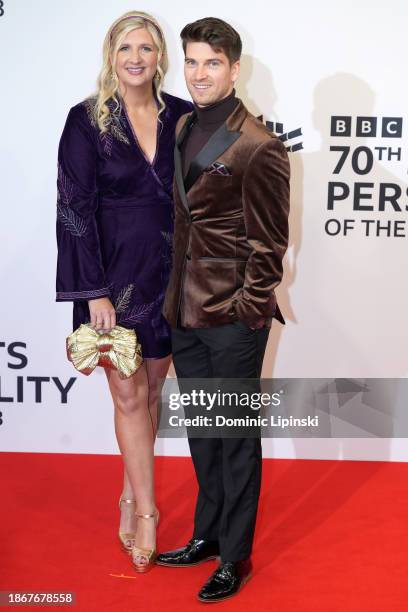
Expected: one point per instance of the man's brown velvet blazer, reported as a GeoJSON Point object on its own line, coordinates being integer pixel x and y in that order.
{"type": "Point", "coordinates": [231, 226]}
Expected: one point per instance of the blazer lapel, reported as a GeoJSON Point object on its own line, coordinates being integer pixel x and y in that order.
{"type": "Point", "coordinates": [178, 170]}
{"type": "Point", "coordinates": [219, 142]}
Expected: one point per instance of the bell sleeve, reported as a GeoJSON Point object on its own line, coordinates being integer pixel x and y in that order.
{"type": "Point", "coordinates": [80, 271]}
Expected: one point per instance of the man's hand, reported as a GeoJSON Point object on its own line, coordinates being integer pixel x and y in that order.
{"type": "Point", "coordinates": [103, 316]}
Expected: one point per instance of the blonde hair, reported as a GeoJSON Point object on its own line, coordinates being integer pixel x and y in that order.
{"type": "Point", "coordinates": [108, 83]}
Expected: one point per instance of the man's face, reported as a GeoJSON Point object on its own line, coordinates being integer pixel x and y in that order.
{"type": "Point", "coordinates": [209, 75]}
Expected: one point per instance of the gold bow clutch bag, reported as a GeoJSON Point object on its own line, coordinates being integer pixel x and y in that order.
{"type": "Point", "coordinates": [118, 350]}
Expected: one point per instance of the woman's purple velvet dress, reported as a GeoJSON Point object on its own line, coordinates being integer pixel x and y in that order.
{"type": "Point", "coordinates": [115, 220]}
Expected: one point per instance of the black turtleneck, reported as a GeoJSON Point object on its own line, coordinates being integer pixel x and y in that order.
{"type": "Point", "coordinates": [208, 120]}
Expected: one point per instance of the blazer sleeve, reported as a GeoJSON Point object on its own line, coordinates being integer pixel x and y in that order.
{"type": "Point", "coordinates": [265, 197]}
{"type": "Point", "coordinates": [80, 272]}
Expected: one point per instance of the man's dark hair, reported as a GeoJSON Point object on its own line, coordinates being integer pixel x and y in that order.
{"type": "Point", "coordinates": [217, 33]}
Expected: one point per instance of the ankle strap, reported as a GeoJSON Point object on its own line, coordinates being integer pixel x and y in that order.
{"type": "Point", "coordinates": [126, 501]}
{"type": "Point", "coordinates": [146, 516]}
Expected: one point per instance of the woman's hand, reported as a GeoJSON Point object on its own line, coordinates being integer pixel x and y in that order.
{"type": "Point", "coordinates": [103, 316]}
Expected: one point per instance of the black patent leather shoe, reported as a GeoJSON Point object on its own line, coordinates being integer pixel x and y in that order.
{"type": "Point", "coordinates": [195, 552]}
{"type": "Point", "coordinates": [226, 581]}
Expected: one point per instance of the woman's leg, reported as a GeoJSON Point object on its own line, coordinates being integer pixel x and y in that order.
{"type": "Point", "coordinates": [156, 370]}
{"type": "Point", "coordinates": [128, 519]}
{"type": "Point", "coordinates": [156, 373]}
{"type": "Point", "coordinates": [135, 439]}
{"type": "Point", "coordinates": [135, 401]}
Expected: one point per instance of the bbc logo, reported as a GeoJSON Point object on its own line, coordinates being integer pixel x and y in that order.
{"type": "Point", "coordinates": [388, 127]}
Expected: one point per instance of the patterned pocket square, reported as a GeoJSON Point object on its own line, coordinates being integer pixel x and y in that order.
{"type": "Point", "coordinates": [219, 169]}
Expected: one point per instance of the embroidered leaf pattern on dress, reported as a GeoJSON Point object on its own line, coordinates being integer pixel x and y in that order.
{"type": "Point", "coordinates": [65, 187]}
{"type": "Point", "coordinates": [117, 130]}
{"type": "Point", "coordinates": [123, 299]}
{"type": "Point", "coordinates": [106, 139]}
{"type": "Point", "coordinates": [138, 313]}
{"type": "Point", "coordinates": [168, 236]}
{"type": "Point", "coordinates": [75, 224]}
{"type": "Point", "coordinates": [89, 104]}
{"type": "Point", "coordinates": [159, 324]}
{"type": "Point", "coordinates": [167, 252]}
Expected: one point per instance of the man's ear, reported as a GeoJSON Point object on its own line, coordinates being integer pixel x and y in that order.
{"type": "Point", "coordinates": [235, 68]}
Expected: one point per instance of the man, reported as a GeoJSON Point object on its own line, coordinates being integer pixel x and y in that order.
{"type": "Point", "coordinates": [231, 231]}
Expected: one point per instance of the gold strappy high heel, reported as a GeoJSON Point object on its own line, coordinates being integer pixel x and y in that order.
{"type": "Point", "coordinates": [127, 540]}
{"type": "Point", "coordinates": [146, 553]}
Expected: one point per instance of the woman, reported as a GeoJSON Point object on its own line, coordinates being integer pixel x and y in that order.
{"type": "Point", "coordinates": [114, 232]}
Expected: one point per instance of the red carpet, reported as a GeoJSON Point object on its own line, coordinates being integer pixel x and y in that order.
{"type": "Point", "coordinates": [331, 536]}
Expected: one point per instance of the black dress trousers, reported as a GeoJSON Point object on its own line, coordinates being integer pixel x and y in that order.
{"type": "Point", "coordinates": [228, 470]}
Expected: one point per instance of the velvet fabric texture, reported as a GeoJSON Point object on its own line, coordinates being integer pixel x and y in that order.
{"type": "Point", "coordinates": [115, 219]}
{"type": "Point", "coordinates": [231, 227]}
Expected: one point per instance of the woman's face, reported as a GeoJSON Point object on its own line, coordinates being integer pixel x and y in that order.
{"type": "Point", "coordinates": [136, 60]}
